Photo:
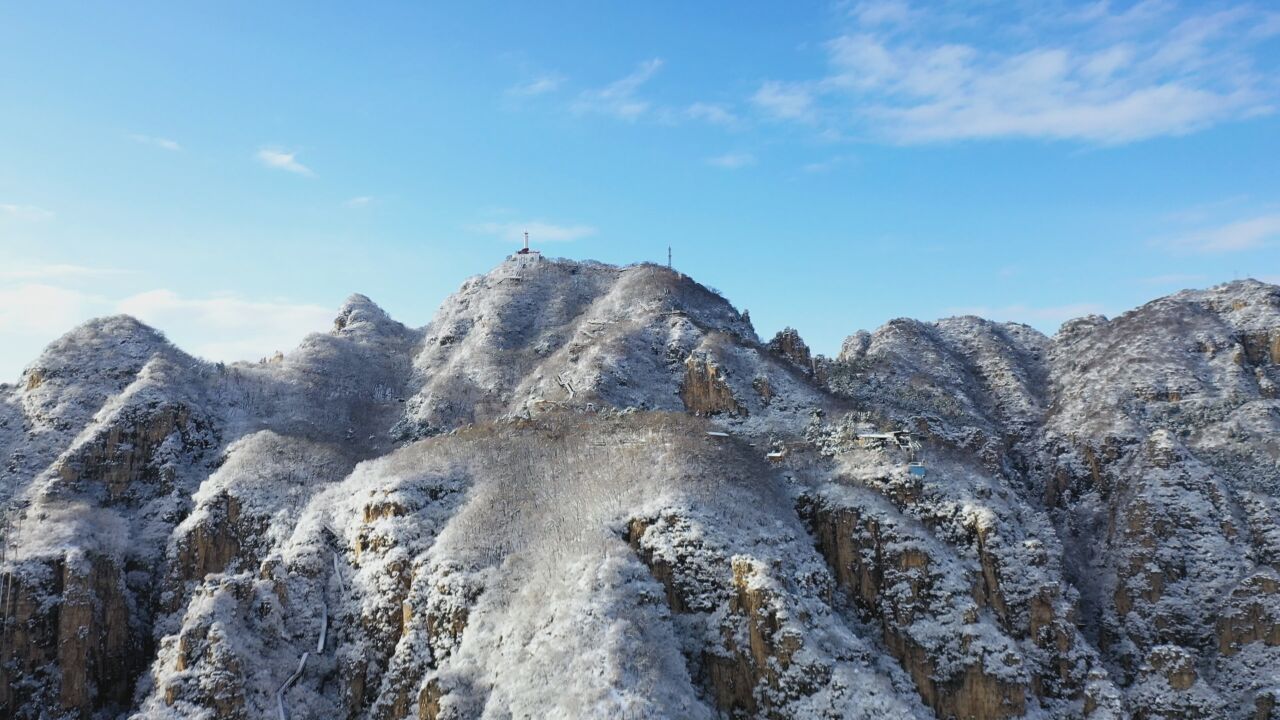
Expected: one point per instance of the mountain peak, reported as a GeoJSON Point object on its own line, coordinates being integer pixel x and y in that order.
{"type": "Point", "coordinates": [358, 313]}
{"type": "Point", "coordinates": [117, 341]}
{"type": "Point", "coordinates": [567, 438]}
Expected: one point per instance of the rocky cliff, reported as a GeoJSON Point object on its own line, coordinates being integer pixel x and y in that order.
{"type": "Point", "coordinates": [592, 491]}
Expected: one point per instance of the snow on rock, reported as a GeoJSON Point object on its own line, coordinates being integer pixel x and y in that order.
{"type": "Point", "coordinates": [591, 491]}
{"type": "Point", "coordinates": [536, 335]}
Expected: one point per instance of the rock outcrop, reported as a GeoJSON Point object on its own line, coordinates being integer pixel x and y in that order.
{"type": "Point", "coordinates": [704, 390]}
{"type": "Point", "coordinates": [591, 491]}
{"type": "Point", "coordinates": [789, 345]}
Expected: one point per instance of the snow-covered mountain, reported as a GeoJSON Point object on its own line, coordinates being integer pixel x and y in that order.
{"type": "Point", "coordinates": [591, 491]}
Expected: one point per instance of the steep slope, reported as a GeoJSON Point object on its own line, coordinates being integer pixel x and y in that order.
{"type": "Point", "coordinates": [461, 574]}
{"type": "Point", "coordinates": [959, 570]}
{"type": "Point", "coordinates": [59, 394]}
{"type": "Point", "coordinates": [120, 432]}
{"type": "Point", "coordinates": [591, 491]}
{"type": "Point", "coordinates": [1148, 443]}
{"type": "Point", "coordinates": [1161, 459]}
{"type": "Point", "coordinates": [109, 433]}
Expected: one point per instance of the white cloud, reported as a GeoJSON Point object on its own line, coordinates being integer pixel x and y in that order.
{"type": "Point", "coordinates": [44, 310]}
{"type": "Point", "coordinates": [1088, 76]}
{"type": "Point", "coordinates": [281, 160]}
{"type": "Point", "coordinates": [359, 202]}
{"type": "Point", "coordinates": [224, 327]}
{"type": "Point", "coordinates": [883, 12]}
{"type": "Point", "coordinates": [1204, 212]}
{"type": "Point", "coordinates": [227, 327]}
{"type": "Point", "coordinates": [162, 143]}
{"type": "Point", "coordinates": [619, 97]}
{"type": "Point", "coordinates": [28, 213]}
{"type": "Point", "coordinates": [711, 113]}
{"type": "Point", "coordinates": [829, 164]}
{"type": "Point", "coordinates": [733, 160]}
{"type": "Point", "coordinates": [1268, 27]}
{"type": "Point", "coordinates": [33, 314]}
{"type": "Point", "coordinates": [1099, 15]}
{"type": "Point", "coordinates": [785, 101]}
{"type": "Point", "coordinates": [1045, 318]}
{"type": "Point", "coordinates": [540, 85]}
{"type": "Point", "coordinates": [17, 270]}
{"type": "Point", "coordinates": [538, 230]}
{"type": "Point", "coordinates": [1236, 236]}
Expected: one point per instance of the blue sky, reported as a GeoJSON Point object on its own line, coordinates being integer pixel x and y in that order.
{"type": "Point", "coordinates": [230, 172]}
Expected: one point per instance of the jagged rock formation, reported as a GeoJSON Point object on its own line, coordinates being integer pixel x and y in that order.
{"type": "Point", "coordinates": [591, 491]}
{"type": "Point", "coordinates": [789, 345]}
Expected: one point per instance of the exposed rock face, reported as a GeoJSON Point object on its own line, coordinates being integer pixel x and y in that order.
{"type": "Point", "coordinates": [555, 500]}
{"type": "Point", "coordinates": [86, 636]}
{"type": "Point", "coordinates": [1171, 467]}
{"type": "Point", "coordinates": [1148, 451]}
{"type": "Point", "coordinates": [209, 664]}
{"type": "Point", "coordinates": [212, 545]}
{"type": "Point", "coordinates": [761, 659]}
{"type": "Point", "coordinates": [118, 434]}
{"type": "Point", "coordinates": [120, 458]}
{"type": "Point", "coordinates": [899, 586]}
{"type": "Point", "coordinates": [1251, 615]}
{"type": "Point", "coordinates": [770, 645]}
{"type": "Point", "coordinates": [789, 345]}
{"type": "Point", "coordinates": [704, 390]}
{"type": "Point", "coordinates": [96, 650]}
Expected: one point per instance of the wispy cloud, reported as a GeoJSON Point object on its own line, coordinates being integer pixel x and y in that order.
{"type": "Point", "coordinates": [785, 101]}
{"type": "Point", "coordinates": [27, 213]}
{"type": "Point", "coordinates": [32, 314]}
{"type": "Point", "coordinates": [17, 270]}
{"type": "Point", "coordinates": [220, 327]}
{"type": "Point", "coordinates": [1202, 212]}
{"type": "Point", "coordinates": [282, 160]}
{"type": "Point", "coordinates": [1046, 318]}
{"type": "Point", "coordinates": [40, 301]}
{"type": "Point", "coordinates": [1247, 234]}
{"type": "Point", "coordinates": [733, 160]}
{"type": "Point", "coordinates": [832, 163]}
{"type": "Point", "coordinates": [1103, 78]}
{"type": "Point", "coordinates": [540, 85]}
{"type": "Point", "coordinates": [1267, 27]}
{"type": "Point", "coordinates": [359, 201]}
{"type": "Point", "coordinates": [160, 142]}
{"type": "Point", "coordinates": [227, 327]}
{"type": "Point", "coordinates": [619, 97]}
{"type": "Point", "coordinates": [539, 231]}
{"type": "Point", "coordinates": [711, 113]}
{"type": "Point", "coordinates": [883, 12]}
{"type": "Point", "coordinates": [43, 310]}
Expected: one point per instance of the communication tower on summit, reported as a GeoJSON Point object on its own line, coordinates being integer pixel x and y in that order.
{"type": "Point", "coordinates": [526, 250]}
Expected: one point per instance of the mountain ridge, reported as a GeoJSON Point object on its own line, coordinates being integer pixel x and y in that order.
{"type": "Point", "coordinates": [1095, 535]}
